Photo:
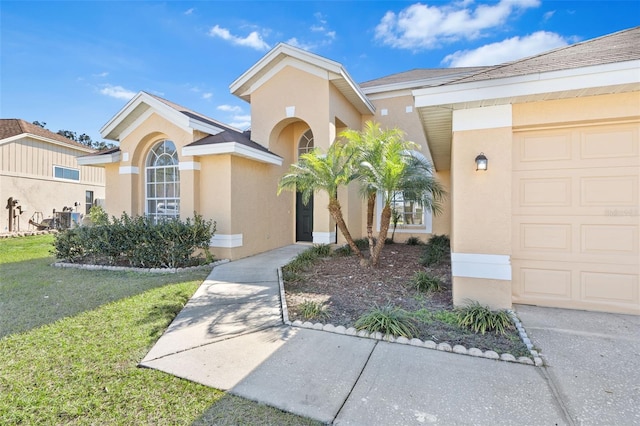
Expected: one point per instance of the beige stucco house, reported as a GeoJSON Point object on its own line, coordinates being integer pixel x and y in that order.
{"type": "Point", "coordinates": [554, 220]}
{"type": "Point", "coordinates": [39, 169]}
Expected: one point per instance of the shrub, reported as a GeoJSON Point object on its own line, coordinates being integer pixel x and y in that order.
{"type": "Point", "coordinates": [362, 243]}
{"type": "Point", "coordinates": [481, 319]}
{"type": "Point", "coordinates": [414, 241]}
{"type": "Point", "coordinates": [98, 216]}
{"type": "Point", "coordinates": [437, 250]}
{"type": "Point", "coordinates": [388, 320]}
{"type": "Point", "coordinates": [343, 251]}
{"type": "Point", "coordinates": [313, 310]}
{"type": "Point", "coordinates": [422, 281]}
{"type": "Point", "coordinates": [321, 250]}
{"type": "Point", "coordinates": [139, 242]}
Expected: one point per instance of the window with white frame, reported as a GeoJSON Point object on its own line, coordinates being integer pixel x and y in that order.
{"type": "Point", "coordinates": [412, 216]}
{"type": "Point", "coordinates": [162, 181]}
{"type": "Point", "coordinates": [306, 143]}
{"type": "Point", "coordinates": [67, 173]}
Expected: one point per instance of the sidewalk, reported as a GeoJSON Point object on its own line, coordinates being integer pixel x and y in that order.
{"type": "Point", "coordinates": [230, 336]}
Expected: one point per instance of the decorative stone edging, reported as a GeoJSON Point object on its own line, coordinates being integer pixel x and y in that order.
{"type": "Point", "coordinates": [131, 269]}
{"type": "Point", "coordinates": [429, 344]}
{"type": "Point", "coordinates": [19, 234]}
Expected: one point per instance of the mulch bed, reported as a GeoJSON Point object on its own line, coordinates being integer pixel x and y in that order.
{"type": "Point", "coordinates": [349, 291]}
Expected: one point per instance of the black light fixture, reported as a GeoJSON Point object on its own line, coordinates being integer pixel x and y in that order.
{"type": "Point", "coordinates": [481, 162]}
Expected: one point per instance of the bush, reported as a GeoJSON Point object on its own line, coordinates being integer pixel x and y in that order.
{"type": "Point", "coordinates": [481, 319]}
{"type": "Point", "coordinates": [98, 216]}
{"type": "Point", "coordinates": [321, 250]}
{"type": "Point", "coordinates": [388, 320]}
{"type": "Point", "coordinates": [414, 241]}
{"type": "Point", "coordinates": [436, 251]}
{"type": "Point", "coordinates": [422, 281]}
{"type": "Point", "coordinates": [345, 250]}
{"type": "Point", "coordinates": [139, 242]}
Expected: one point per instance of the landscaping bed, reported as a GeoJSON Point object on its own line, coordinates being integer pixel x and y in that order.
{"type": "Point", "coordinates": [340, 291]}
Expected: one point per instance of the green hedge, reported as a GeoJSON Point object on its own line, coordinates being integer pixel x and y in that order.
{"type": "Point", "coordinates": [139, 242]}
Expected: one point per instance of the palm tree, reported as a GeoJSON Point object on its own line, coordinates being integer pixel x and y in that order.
{"type": "Point", "coordinates": [388, 164]}
{"type": "Point", "coordinates": [317, 172]}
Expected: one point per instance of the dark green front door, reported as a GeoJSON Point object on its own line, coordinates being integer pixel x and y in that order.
{"type": "Point", "coordinates": [304, 219]}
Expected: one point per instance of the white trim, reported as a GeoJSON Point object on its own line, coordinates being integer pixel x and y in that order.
{"type": "Point", "coordinates": [189, 165]}
{"type": "Point", "coordinates": [489, 266]}
{"type": "Point", "coordinates": [531, 84]}
{"type": "Point", "coordinates": [324, 237]}
{"type": "Point", "coordinates": [125, 156]}
{"type": "Point", "coordinates": [489, 117]}
{"type": "Point", "coordinates": [290, 111]}
{"type": "Point", "coordinates": [226, 240]}
{"type": "Point", "coordinates": [233, 148]}
{"type": "Point", "coordinates": [94, 160]}
{"type": "Point", "coordinates": [129, 170]}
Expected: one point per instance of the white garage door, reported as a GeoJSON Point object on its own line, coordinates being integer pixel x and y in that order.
{"type": "Point", "coordinates": [576, 218]}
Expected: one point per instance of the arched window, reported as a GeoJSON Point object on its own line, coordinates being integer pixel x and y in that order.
{"type": "Point", "coordinates": [306, 143]}
{"type": "Point", "coordinates": [163, 182]}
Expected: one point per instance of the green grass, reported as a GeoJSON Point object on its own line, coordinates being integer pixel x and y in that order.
{"type": "Point", "coordinates": [80, 366]}
{"type": "Point", "coordinates": [311, 310]}
{"type": "Point", "coordinates": [388, 320]}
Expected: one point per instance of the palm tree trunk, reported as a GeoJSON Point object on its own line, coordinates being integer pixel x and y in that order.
{"type": "Point", "coordinates": [371, 204]}
{"type": "Point", "coordinates": [336, 212]}
{"type": "Point", "coordinates": [385, 220]}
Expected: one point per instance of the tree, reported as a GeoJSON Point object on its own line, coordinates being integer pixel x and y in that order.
{"type": "Point", "coordinates": [387, 164]}
{"type": "Point", "coordinates": [318, 172]}
{"type": "Point", "coordinates": [40, 124]}
{"type": "Point", "coordinates": [68, 134]}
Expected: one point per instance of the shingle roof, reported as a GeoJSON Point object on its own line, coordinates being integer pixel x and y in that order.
{"type": "Point", "coordinates": [10, 127]}
{"type": "Point", "coordinates": [243, 138]}
{"type": "Point", "coordinates": [421, 74]}
{"type": "Point", "coordinates": [617, 47]}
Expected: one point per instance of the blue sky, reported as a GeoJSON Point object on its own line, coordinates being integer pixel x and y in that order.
{"type": "Point", "coordinates": [73, 65]}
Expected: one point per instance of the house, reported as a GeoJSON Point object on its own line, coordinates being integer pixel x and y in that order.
{"type": "Point", "coordinates": [39, 173]}
{"type": "Point", "coordinates": [553, 220]}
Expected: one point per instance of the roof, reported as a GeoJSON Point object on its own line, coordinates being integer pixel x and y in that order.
{"type": "Point", "coordinates": [419, 77]}
{"type": "Point", "coordinates": [617, 47]}
{"type": "Point", "coordinates": [12, 127]}
{"type": "Point", "coordinates": [243, 138]}
{"type": "Point", "coordinates": [285, 55]}
{"type": "Point", "coordinates": [605, 65]}
{"type": "Point", "coordinates": [193, 114]}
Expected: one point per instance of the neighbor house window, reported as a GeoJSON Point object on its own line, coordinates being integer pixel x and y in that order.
{"type": "Point", "coordinates": [306, 143]}
{"type": "Point", "coordinates": [66, 173]}
{"type": "Point", "coordinates": [162, 182]}
{"type": "Point", "coordinates": [88, 201]}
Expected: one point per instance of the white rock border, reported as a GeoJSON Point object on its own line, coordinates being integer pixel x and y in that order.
{"type": "Point", "coordinates": [142, 270]}
{"type": "Point", "coordinates": [19, 234]}
{"type": "Point", "coordinates": [428, 344]}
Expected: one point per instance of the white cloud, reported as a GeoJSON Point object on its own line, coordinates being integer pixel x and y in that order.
{"type": "Point", "coordinates": [189, 11]}
{"type": "Point", "coordinates": [207, 95]}
{"type": "Point", "coordinates": [506, 50]}
{"type": "Point", "coordinates": [241, 122]}
{"type": "Point", "coordinates": [421, 26]}
{"type": "Point", "coordinates": [229, 108]}
{"type": "Point", "coordinates": [253, 40]}
{"type": "Point", "coordinates": [548, 15]}
{"type": "Point", "coordinates": [317, 28]}
{"type": "Point", "coordinates": [302, 45]}
{"type": "Point", "coordinates": [102, 74]}
{"type": "Point", "coordinates": [117, 92]}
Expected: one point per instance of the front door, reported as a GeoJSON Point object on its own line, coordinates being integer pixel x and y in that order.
{"type": "Point", "coordinates": [304, 219]}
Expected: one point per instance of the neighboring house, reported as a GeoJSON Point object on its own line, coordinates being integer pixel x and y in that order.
{"type": "Point", "coordinates": [38, 168]}
{"type": "Point", "coordinates": [554, 220]}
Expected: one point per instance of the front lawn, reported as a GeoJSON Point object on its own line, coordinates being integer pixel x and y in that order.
{"type": "Point", "coordinates": [70, 342]}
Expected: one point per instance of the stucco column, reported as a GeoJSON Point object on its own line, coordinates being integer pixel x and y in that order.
{"type": "Point", "coordinates": [481, 207]}
{"type": "Point", "coordinates": [189, 187]}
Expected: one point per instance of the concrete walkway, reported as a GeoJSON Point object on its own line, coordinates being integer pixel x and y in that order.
{"type": "Point", "coordinates": [231, 336]}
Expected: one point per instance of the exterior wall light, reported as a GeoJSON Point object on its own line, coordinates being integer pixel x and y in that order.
{"type": "Point", "coordinates": [481, 162]}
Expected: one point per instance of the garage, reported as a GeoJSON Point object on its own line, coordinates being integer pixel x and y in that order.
{"type": "Point", "coordinates": [576, 218]}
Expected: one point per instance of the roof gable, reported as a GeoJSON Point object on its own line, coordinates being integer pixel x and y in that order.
{"type": "Point", "coordinates": [13, 128]}
{"type": "Point", "coordinates": [285, 55]}
{"type": "Point", "coordinates": [142, 105]}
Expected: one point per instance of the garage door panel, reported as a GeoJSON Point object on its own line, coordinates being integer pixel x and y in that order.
{"type": "Point", "coordinates": [576, 218]}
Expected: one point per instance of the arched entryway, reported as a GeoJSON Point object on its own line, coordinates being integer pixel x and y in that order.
{"type": "Point", "coordinates": [304, 213]}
